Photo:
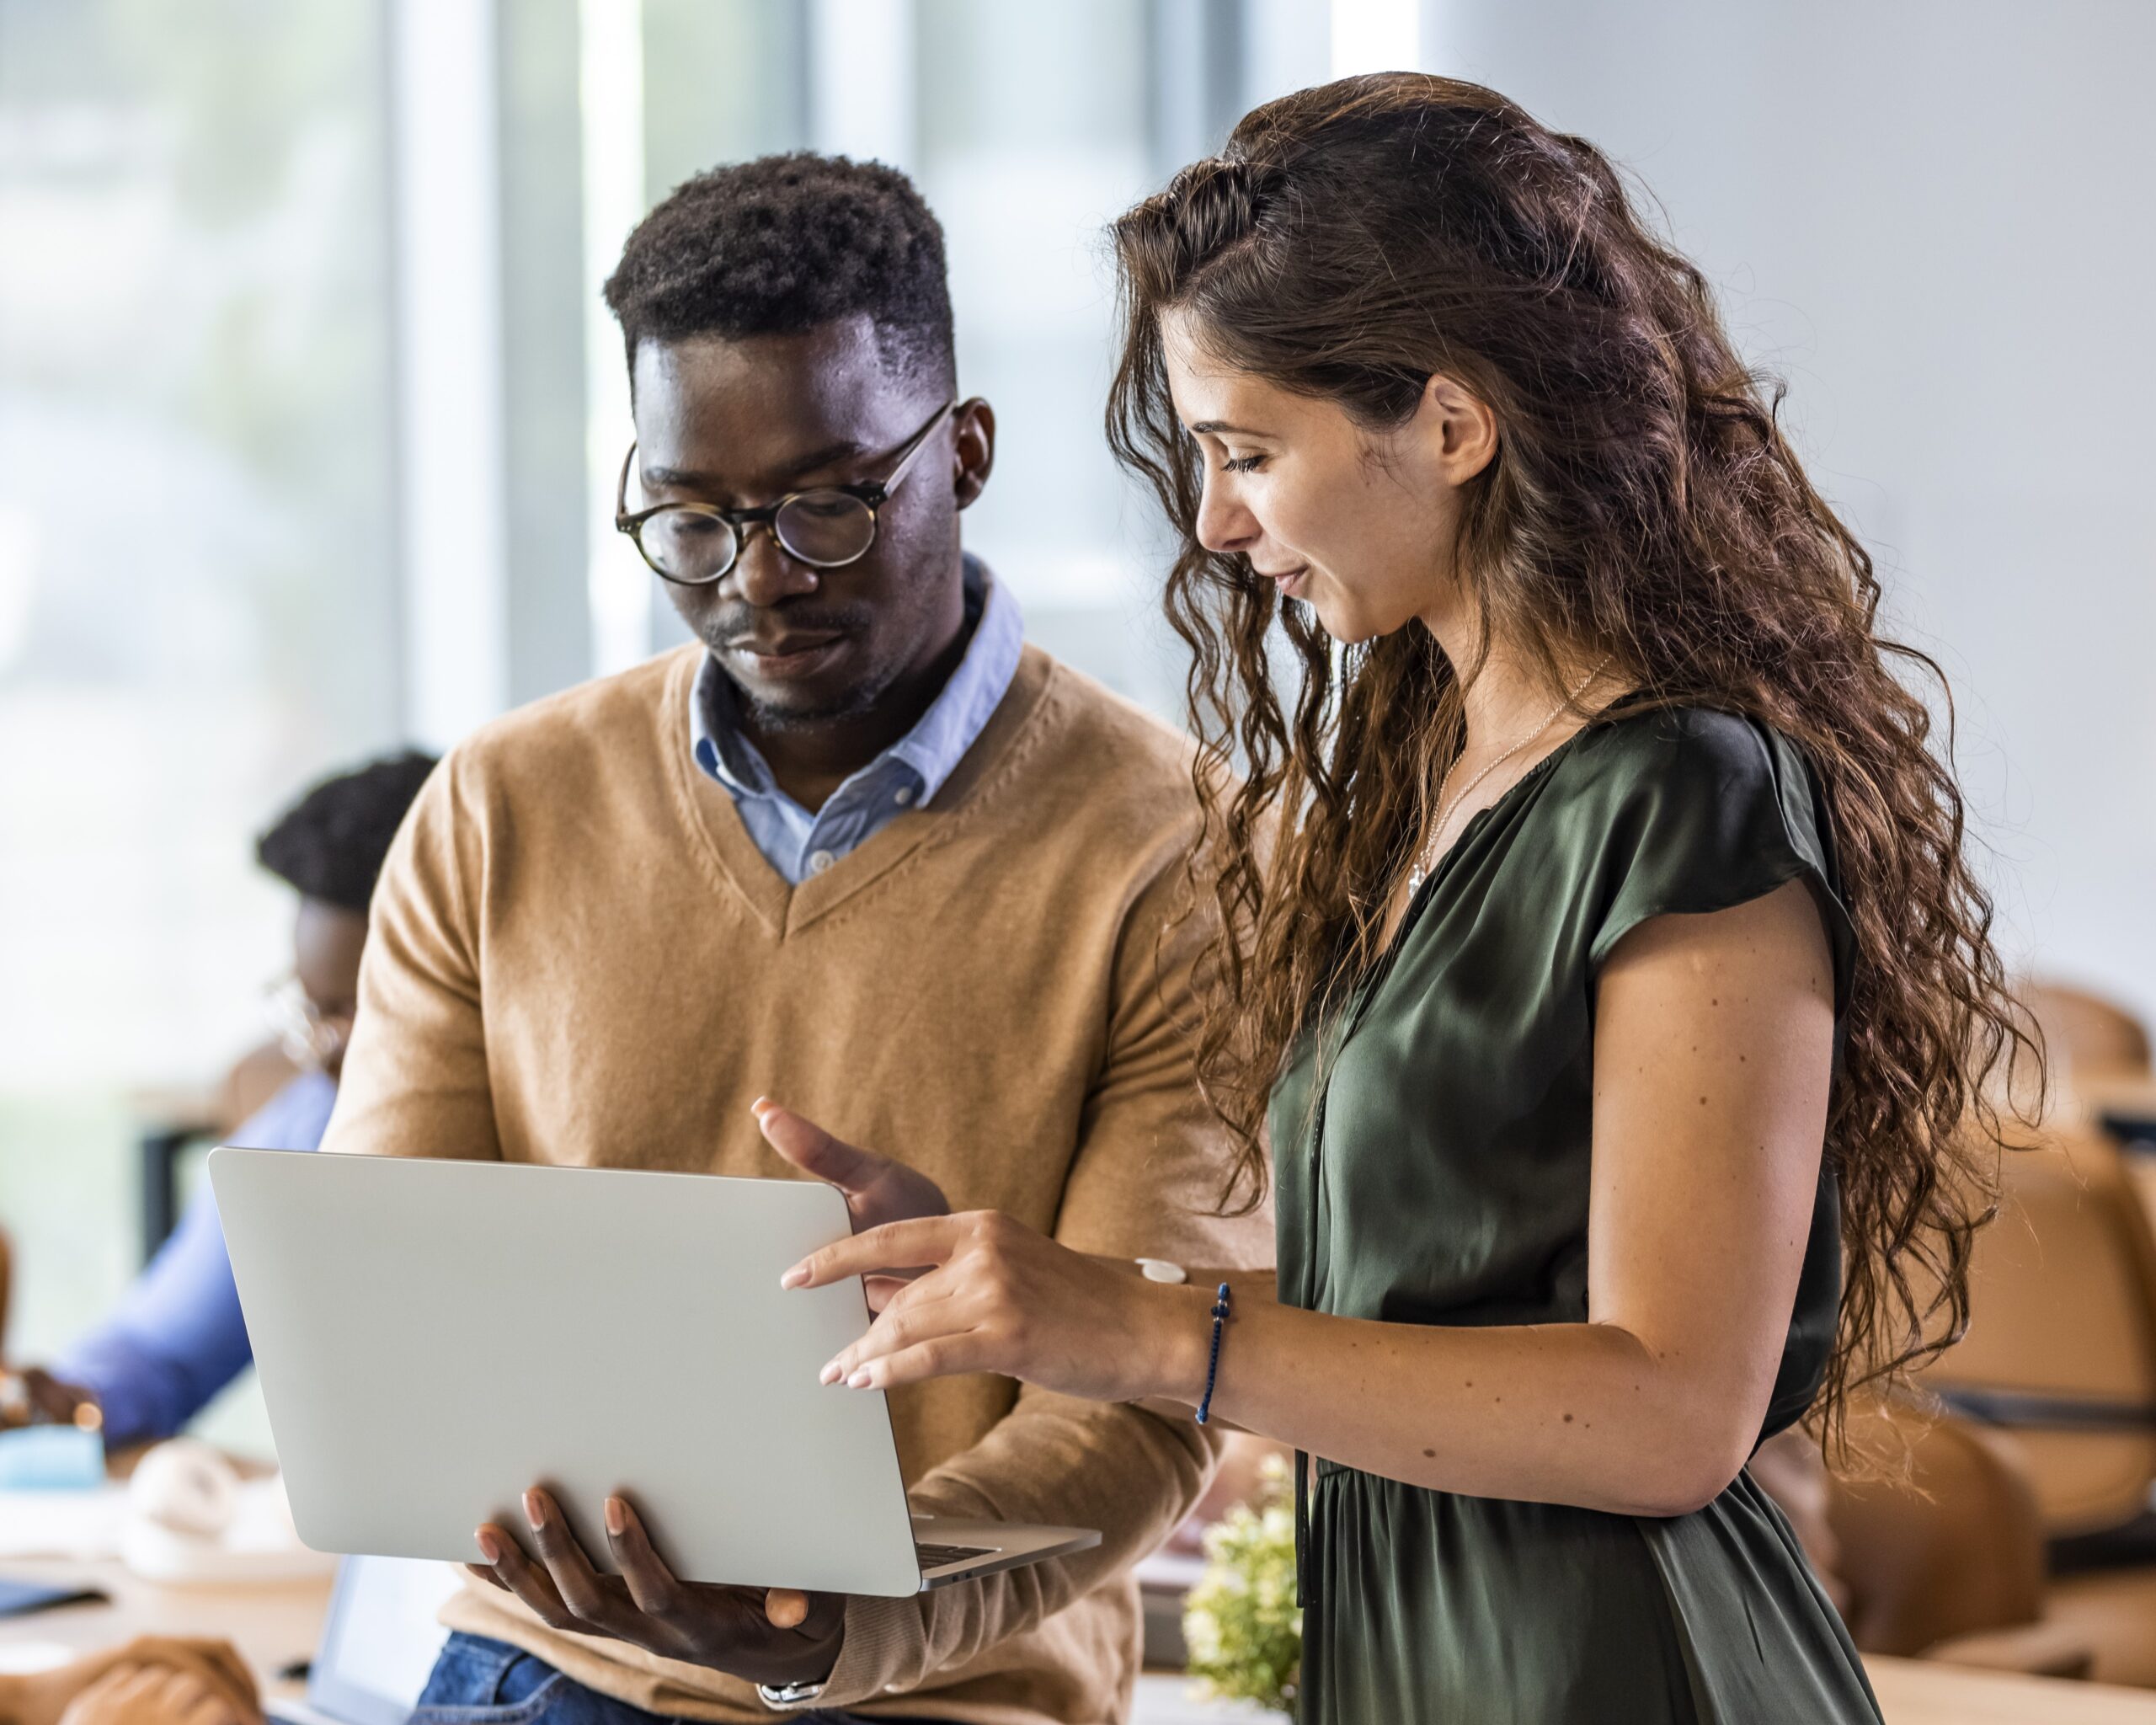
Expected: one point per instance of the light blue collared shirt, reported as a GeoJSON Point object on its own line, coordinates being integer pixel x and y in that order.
{"type": "Point", "coordinates": [906, 776]}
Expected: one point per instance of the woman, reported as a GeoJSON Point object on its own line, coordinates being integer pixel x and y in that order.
{"type": "Point", "coordinates": [1611, 984]}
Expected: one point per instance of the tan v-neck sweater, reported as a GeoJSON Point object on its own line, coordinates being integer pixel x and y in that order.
{"type": "Point", "coordinates": [579, 956]}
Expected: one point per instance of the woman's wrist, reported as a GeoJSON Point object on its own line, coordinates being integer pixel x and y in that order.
{"type": "Point", "coordinates": [1180, 1323]}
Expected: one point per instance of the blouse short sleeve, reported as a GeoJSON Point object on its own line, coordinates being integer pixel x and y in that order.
{"type": "Point", "coordinates": [1709, 811]}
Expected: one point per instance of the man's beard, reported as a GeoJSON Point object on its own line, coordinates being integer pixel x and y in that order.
{"type": "Point", "coordinates": [857, 699]}
{"type": "Point", "coordinates": [720, 634]}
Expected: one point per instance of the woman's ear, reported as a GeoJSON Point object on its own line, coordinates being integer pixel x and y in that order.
{"type": "Point", "coordinates": [1458, 430]}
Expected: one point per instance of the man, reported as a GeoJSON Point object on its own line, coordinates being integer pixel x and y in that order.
{"type": "Point", "coordinates": [857, 847]}
{"type": "Point", "coordinates": [177, 1337]}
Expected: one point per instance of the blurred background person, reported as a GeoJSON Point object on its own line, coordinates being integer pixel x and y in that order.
{"type": "Point", "coordinates": [177, 1337]}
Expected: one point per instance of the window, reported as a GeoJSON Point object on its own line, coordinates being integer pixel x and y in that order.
{"type": "Point", "coordinates": [198, 605]}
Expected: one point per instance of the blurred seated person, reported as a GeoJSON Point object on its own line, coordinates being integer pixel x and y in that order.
{"type": "Point", "coordinates": [176, 1338]}
{"type": "Point", "coordinates": [150, 1681]}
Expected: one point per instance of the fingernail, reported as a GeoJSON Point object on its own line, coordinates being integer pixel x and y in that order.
{"type": "Point", "coordinates": [859, 1380]}
{"type": "Point", "coordinates": [795, 1277]}
{"type": "Point", "coordinates": [617, 1519]}
{"type": "Point", "coordinates": [535, 1512]}
{"type": "Point", "coordinates": [759, 1105]}
{"type": "Point", "coordinates": [489, 1546]}
{"type": "Point", "coordinates": [830, 1375]}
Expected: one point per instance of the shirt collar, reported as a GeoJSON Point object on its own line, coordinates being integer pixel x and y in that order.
{"type": "Point", "coordinates": [929, 753]}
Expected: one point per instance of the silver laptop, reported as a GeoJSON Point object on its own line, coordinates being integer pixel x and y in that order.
{"type": "Point", "coordinates": [433, 1336]}
{"type": "Point", "coordinates": [378, 1644]}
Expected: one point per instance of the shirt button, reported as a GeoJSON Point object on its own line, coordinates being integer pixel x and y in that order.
{"type": "Point", "coordinates": [903, 796]}
{"type": "Point", "coordinates": [818, 860]}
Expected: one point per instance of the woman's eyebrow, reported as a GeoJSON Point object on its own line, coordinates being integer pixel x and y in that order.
{"type": "Point", "coordinates": [1216, 426]}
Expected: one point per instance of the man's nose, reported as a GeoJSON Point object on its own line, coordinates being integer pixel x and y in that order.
{"type": "Point", "coordinates": [764, 575]}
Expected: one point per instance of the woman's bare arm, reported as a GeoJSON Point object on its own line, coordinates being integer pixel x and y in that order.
{"type": "Point", "coordinates": [1713, 1049]}
{"type": "Point", "coordinates": [1713, 1052]}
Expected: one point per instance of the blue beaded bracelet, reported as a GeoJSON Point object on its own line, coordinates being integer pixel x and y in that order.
{"type": "Point", "coordinates": [1213, 1365]}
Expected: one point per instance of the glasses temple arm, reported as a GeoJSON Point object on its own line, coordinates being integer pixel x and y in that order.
{"type": "Point", "coordinates": [920, 442]}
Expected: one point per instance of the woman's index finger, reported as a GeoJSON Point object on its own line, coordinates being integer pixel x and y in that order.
{"type": "Point", "coordinates": [920, 1242]}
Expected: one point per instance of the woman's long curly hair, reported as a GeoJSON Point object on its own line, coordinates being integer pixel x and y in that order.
{"type": "Point", "coordinates": [1352, 241]}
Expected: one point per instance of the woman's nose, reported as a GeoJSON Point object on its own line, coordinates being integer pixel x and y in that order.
{"type": "Point", "coordinates": [1223, 525]}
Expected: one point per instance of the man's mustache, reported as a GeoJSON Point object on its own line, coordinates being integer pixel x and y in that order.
{"type": "Point", "coordinates": [739, 624]}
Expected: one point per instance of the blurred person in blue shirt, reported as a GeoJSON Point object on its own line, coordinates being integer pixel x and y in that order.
{"type": "Point", "coordinates": [176, 1338]}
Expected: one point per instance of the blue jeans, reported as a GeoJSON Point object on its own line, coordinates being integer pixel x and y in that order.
{"type": "Point", "coordinates": [477, 1681]}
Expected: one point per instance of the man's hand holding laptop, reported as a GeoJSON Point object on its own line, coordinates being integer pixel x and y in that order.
{"type": "Point", "coordinates": [777, 1636]}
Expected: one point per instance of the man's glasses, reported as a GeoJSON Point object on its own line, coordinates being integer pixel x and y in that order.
{"type": "Point", "coordinates": [694, 544]}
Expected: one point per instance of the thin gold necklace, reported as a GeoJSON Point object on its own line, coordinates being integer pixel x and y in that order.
{"type": "Point", "coordinates": [1426, 858]}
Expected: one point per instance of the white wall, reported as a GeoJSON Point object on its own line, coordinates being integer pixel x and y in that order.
{"type": "Point", "coordinates": [1935, 218]}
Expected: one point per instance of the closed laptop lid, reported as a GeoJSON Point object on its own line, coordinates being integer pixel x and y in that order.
{"type": "Point", "coordinates": [433, 1336]}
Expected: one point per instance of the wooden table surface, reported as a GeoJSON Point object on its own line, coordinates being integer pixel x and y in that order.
{"type": "Point", "coordinates": [1918, 1692]}
{"type": "Point", "coordinates": [275, 1625]}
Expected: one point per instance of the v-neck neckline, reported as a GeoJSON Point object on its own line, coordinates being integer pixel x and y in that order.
{"type": "Point", "coordinates": [1443, 868]}
{"type": "Point", "coordinates": [1331, 1039]}
{"type": "Point", "coordinates": [784, 908]}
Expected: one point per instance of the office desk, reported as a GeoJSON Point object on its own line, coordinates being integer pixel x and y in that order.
{"type": "Point", "coordinates": [1918, 1692]}
{"type": "Point", "coordinates": [274, 1626]}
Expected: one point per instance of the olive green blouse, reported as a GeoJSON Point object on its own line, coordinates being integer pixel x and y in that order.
{"type": "Point", "coordinates": [1442, 1178]}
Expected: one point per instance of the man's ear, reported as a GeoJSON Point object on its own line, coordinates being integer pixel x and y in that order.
{"type": "Point", "coordinates": [1458, 428]}
{"type": "Point", "coordinates": [973, 448]}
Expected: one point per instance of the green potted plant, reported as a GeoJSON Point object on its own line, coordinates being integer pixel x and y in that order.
{"type": "Point", "coordinates": [1240, 1623]}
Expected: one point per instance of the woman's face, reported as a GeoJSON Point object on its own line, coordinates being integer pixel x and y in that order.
{"type": "Point", "coordinates": [1359, 524]}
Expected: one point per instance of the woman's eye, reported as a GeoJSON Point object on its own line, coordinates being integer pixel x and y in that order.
{"type": "Point", "coordinates": [1241, 464]}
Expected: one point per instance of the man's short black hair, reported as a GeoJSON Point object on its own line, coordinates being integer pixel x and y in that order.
{"type": "Point", "coordinates": [784, 244]}
{"type": "Point", "coordinates": [330, 844]}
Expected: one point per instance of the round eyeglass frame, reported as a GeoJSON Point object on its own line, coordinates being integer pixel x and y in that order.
{"type": "Point", "coordinates": [873, 494]}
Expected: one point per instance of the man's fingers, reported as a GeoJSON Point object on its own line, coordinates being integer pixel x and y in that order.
{"type": "Point", "coordinates": [529, 1582]}
{"type": "Point", "coordinates": [651, 1583]}
{"type": "Point", "coordinates": [814, 1150]}
{"type": "Point", "coordinates": [786, 1609]}
{"type": "Point", "coordinates": [575, 1579]}
{"type": "Point", "coordinates": [919, 1243]}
